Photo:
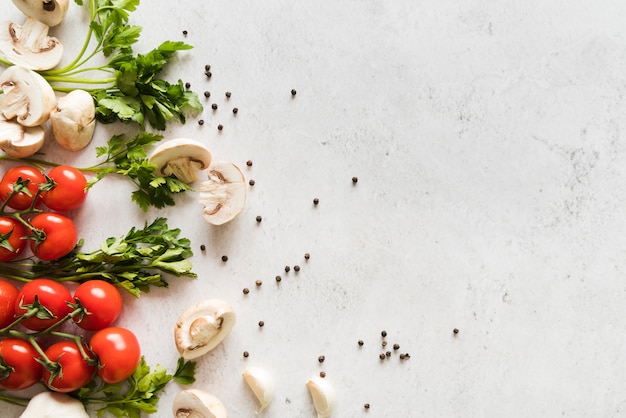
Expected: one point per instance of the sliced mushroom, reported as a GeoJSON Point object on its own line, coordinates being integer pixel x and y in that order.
{"type": "Point", "coordinates": [54, 405]}
{"type": "Point", "coordinates": [261, 382]}
{"type": "Point", "coordinates": [181, 158]}
{"type": "Point", "coordinates": [18, 141]}
{"type": "Point", "coordinates": [196, 403]}
{"type": "Point", "coordinates": [202, 326]}
{"type": "Point", "coordinates": [74, 120]}
{"type": "Point", "coordinates": [223, 195]}
{"type": "Point", "coordinates": [29, 45]}
{"type": "Point", "coordinates": [26, 96]}
{"type": "Point", "coordinates": [323, 395]}
{"type": "Point", "coordinates": [50, 12]}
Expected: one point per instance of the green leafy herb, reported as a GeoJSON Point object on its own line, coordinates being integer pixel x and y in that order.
{"type": "Point", "coordinates": [139, 394]}
{"type": "Point", "coordinates": [135, 261]}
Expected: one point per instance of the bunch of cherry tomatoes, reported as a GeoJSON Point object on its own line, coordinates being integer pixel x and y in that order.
{"type": "Point", "coordinates": [35, 345]}
{"type": "Point", "coordinates": [51, 235]}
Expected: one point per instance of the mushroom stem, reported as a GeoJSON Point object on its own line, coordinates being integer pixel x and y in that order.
{"type": "Point", "coordinates": [204, 329]}
{"type": "Point", "coordinates": [184, 169]}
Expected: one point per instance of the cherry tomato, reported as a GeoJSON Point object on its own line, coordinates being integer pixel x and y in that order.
{"type": "Point", "coordinates": [12, 241]}
{"type": "Point", "coordinates": [118, 353]}
{"type": "Point", "coordinates": [60, 236]}
{"type": "Point", "coordinates": [68, 191]}
{"type": "Point", "coordinates": [21, 200]}
{"type": "Point", "coordinates": [52, 295]}
{"type": "Point", "coordinates": [21, 369]}
{"type": "Point", "coordinates": [76, 372]}
{"type": "Point", "coordinates": [102, 301]}
{"type": "Point", "coordinates": [8, 296]}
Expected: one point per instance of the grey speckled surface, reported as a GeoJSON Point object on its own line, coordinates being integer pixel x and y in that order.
{"type": "Point", "coordinates": [487, 142]}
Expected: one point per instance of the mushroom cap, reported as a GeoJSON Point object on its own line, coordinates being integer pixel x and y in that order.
{"type": "Point", "coordinates": [29, 45]}
{"type": "Point", "coordinates": [26, 96]}
{"type": "Point", "coordinates": [18, 141]}
{"type": "Point", "coordinates": [223, 195]}
{"type": "Point", "coordinates": [194, 152]}
{"type": "Point", "coordinates": [74, 120]}
{"type": "Point", "coordinates": [196, 403]}
{"type": "Point", "coordinates": [50, 12]}
{"type": "Point", "coordinates": [202, 326]}
{"type": "Point", "coordinates": [52, 405]}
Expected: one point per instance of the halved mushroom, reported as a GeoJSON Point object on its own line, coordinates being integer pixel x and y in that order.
{"type": "Point", "coordinates": [223, 195]}
{"type": "Point", "coordinates": [202, 326]}
{"type": "Point", "coordinates": [196, 403]}
{"type": "Point", "coordinates": [29, 45]}
{"type": "Point", "coordinates": [181, 158]}
{"type": "Point", "coordinates": [74, 120]}
{"type": "Point", "coordinates": [261, 382]}
{"type": "Point", "coordinates": [26, 96]}
{"type": "Point", "coordinates": [54, 405]}
{"type": "Point", "coordinates": [50, 12]}
{"type": "Point", "coordinates": [323, 396]}
{"type": "Point", "coordinates": [18, 141]}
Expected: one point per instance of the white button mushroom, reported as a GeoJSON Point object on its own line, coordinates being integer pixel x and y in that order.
{"type": "Point", "coordinates": [29, 45]}
{"type": "Point", "coordinates": [49, 12]}
{"type": "Point", "coordinates": [26, 96]}
{"type": "Point", "coordinates": [181, 158]}
{"type": "Point", "coordinates": [54, 405]}
{"type": "Point", "coordinates": [261, 382]}
{"type": "Point", "coordinates": [18, 141]}
{"type": "Point", "coordinates": [223, 195]}
{"type": "Point", "coordinates": [323, 395]}
{"type": "Point", "coordinates": [202, 326]}
{"type": "Point", "coordinates": [74, 120]}
{"type": "Point", "coordinates": [196, 403]}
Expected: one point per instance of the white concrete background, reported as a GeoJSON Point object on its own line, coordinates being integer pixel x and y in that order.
{"type": "Point", "coordinates": [487, 140]}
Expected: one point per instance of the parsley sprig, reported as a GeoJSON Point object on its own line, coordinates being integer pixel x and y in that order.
{"type": "Point", "coordinates": [127, 86]}
{"type": "Point", "coordinates": [134, 262]}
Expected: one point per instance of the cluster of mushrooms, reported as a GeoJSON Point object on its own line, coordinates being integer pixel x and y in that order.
{"type": "Point", "coordinates": [28, 101]}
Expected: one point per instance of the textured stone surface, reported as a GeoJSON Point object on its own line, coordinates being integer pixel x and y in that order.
{"type": "Point", "coordinates": [487, 142]}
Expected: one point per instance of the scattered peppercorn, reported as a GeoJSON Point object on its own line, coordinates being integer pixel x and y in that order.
{"type": "Point", "coordinates": [246, 354]}
{"type": "Point", "coordinates": [382, 356]}
{"type": "Point", "coordinates": [228, 94]}
{"type": "Point", "coordinates": [207, 67]}
{"type": "Point", "coordinates": [187, 85]}
{"type": "Point", "coordinates": [316, 201]}
{"type": "Point", "coordinates": [396, 346]}
{"type": "Point", "coordinates": [251, 182]}
{"type": "Point", "coordinates": [321, 359]}
{"type": "Point", "coordinates": [202, 247]}
{"type": "Point", "coordinates": [307, 256]}
{"type": "Point", "coordinates": [366, 406]}
{"type": "Point", "coordinates": [207, 94]}
{"type": "Point", "coordinates": [249, 163]}
{"type": "Point", "coordinates": [208, 74]}
{"type": "Point", "coordinates": [388, 354]}
{"type": "Point", "coordinates": [384, 334]}
{"type": "Point", "coordinates": [258, 282]}
{"type": "Point", "coordinates": [214, 106]}
{"type": "Point", "coordinates": [235, 110]}
{"type": "Point", "coordinates": [246, 290]}
{"type": "Point", "coordinates": [361, 343]}
{"type": "Point", "coordinates": [296, 268]}
{"type": "Point", "coordinates": [354, 179]}
{"type": "Point", "coordinates": [455, 330]}
{"type": "Point", "coordinates": [402, 356]}
{"type": "Point", "coordinates": [185, 32]}
{"type": "Point", "coordinates": [201, 122]}
{"type": "Point", "coordinates": [278, 278]}
{"type": "Point", "coordinates": [287, 268]}
{"type": "Point", "coordinates": [384, 343]}
{"type": "Point", "coordinates": [407, 356]}
{"type": "Point", "coordinates": [293, 92]}
{"type": "Point", "coordinates": [259, 218]}
{"type": "Point", "coordinates": [322, 374]}
{"type": "Point", "coordinates": [224, 258]}
{"type": "Point", "coordinates": [220, 127]}
{"type": "Point", "coordinates": [261, 323]}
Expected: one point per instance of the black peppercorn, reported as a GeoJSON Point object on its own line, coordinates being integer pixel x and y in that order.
{"type": "Point", "coordinates": [307, 256]}
{"type": "Point", "coordinates": [366, 406]}
{"type": "Point", "coordinates": [246, 354]}
{"type": "Point", "coordinates": [287, 268]}
{"type": "Point", "coordinates": [384, 333]}
{"type": "Point", "coordinates": [455, 330]}
{"type": "Point", "coordinates": [207, 94]}
{"type": "Point", "coordinates": [384, 343]}
{"type": "Point", "coordinates": [220, 127]}
{"type": "Point", "coordinates": [207, 67]}
{"type": "Point", "coordinates": [261, 323]}
{"type": "Point", "coordinates": [354, 179]}
{"type": "Point", "coordinates": [202, 247]}
{"type": "Point", "coordinates": [321, 359]}
{"type": "Point", "coordinates": [388, 354]}
{"type": "Point", "coordinates": [316, 201]}
{"type": "Point", "coordinates": [214, 106]}
{"type": "Point", "coordinates": [224, 258]}
{"type": "Point", "coordinates": [208, 74]}
{"type": "Point", "coordinates": [382, 356]}
{"type": "Point", "coordinates": [296, 268]}
{"type": "Point", "coordinates": [249, 163]}
{"type": "Point", "coordinates": [361, 343]}
{"type": "Point", "coordinates": [187, 85]}
{"type": "Point", "coordinates": [293, 92]}
{"type": "Point", "coordinates": [322, 374]}
{"type": "Point", "coordinates": [259, 218]}
{"type": "Point", "coordinates": [251, 182]}
{"type": "Point", "coordinates": [228, 94]}
{"type": "Point", "coordinates": [396, 346]}
{"type": "Point", "coordinates": [185, 32]}
{"type": "Point", "coordinates": [201, 122]}
{"type": "Point", "coordinates": [402, 356]}
{"type": "Point", "coordinates": [246, 290]}
{"type": "Point", "coordinates": [235, 110]}
{"type": "Point", "coordinates": [278, 278]}
{"type": "Point", "coordinates": [258, 282]}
